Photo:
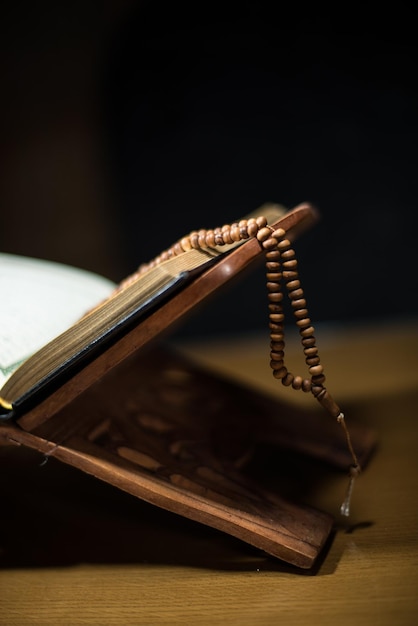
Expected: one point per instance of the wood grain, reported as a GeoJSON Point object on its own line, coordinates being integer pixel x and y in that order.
{"type": "Point", "coordinates": [166, 431]}
{"type": "Point", "coordinates": [76, 551]}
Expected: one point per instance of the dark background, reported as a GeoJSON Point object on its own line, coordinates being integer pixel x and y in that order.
{"type": "Point", "coordinates": [127, 124]}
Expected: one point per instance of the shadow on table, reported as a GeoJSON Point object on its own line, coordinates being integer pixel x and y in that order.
{"type": "Point", "coordinates": [55, 516]}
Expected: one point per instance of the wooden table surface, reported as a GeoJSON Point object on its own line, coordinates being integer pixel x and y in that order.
{"type": "Point", "coordinates": [76, 551]}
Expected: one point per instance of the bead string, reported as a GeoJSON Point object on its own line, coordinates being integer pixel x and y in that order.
{"type": "Point", "coordinates": [281, 267]}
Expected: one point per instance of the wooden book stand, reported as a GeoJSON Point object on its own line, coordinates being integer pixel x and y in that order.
{"type": "Point", "coordinates": [152, 423]}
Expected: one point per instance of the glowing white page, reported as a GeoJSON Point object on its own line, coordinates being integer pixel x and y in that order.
{"type": "Point", "coordinates": [39, 300]}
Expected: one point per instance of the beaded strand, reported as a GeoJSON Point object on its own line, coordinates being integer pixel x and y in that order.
{"type": "Point", "coordinates": [281, 269]}
{"type": "Point", "coordinates": [281, 265]}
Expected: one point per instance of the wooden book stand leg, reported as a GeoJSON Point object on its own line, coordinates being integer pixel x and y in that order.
{"type": "Point", "coordinates": [178, 437]}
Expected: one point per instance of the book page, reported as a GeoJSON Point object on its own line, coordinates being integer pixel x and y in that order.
{"type": "Point", "coordinates": [40, 299]}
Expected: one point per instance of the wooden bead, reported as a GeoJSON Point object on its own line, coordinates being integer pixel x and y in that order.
{"type": "Point", "coordinates": [289, 275]}
{"type": "Point", "coordinates": [292, 285]}
{"type": "Point", "coordinates": [185, 244]}
{"type": "Point", "coordinates": [219, 241]}
{"type": "Point", "coordinates": [243, 229]}
{"type": "Point", "coordinates": [295, 294]}
{"type": "Point", "coordinates": [252, 227]}
{"type": "Point", "coordinates": [284, 244]}
{"type": "Point", "coordinates": [273, 255]}
{"type": "Point", "coordinates": [312, 360]}
{"type": "Point", "coordinates": [194, 240]}
{"type": "Point", "coordinates": [318, 390]}
{"type": "Point", "coordinates": [202, 238]}
{"type": "Point", "coordinates": [297, 382]}
{"type": "Point", "coordinates": [279, 233]}
{"type": "Point", "coordinates": [306, 385]}
{"type": "Point", "coordinates": [316, 370]}
{"type": "Point", "coordinates": [277, 357]}
{"type": "Point", "coordinates": [275, 327]}
{"type": "Point", "coordinates": [261, 221]}
{"type": "Point", "coordinates": [277, 346]}
{"type": "Point", "coordinates": [177, 249]}
{"type": "Point", "coordinates": [280, 373]}
{"type": "Point", "coordinates": [276, 318]}
{"type": "Point", "coordinates": [275, 308]}
{"type": "Point", "coordinates": [274, 276]}
{"type": "Point", "coordinates": [299, 304]}
{"type": "Point", "coordinates": [275, 296]}
{"type": "Point", "coordinates": [303, 323]}
{"type": "Point", "coordinates": [270, 244]}
{"type": "Point", "coordinates": [271, 286]}
{"type": "Point", "coordinates": [210, 239]}
{"type": "Point", "coordinates": [277, 337]}
{"type": "Point", "coordinates": [287, 255]}
{"type": "Point", "coordinates": [290, 265]}
{"type": "Point", "coordinates": [318, 380]}
{"type": "Point", "coordinates": [226, 234]}
{"type": "Point", "coordinates": [309, 352]}
{"type": "Point", "coordinates": [307, 332]}
{"type": "Point", "coordinates": [235, 234]}
{"type": "Point", "coordinates": [288, 379]}
{"type": "Point", "coordinates": [273, 266]}
{"type": "Point", "coordinates": [263, 234]}
{"type": "Point", "coordinates": [300, 313]}
{"type": "Point", "coordinates": [308, 342]}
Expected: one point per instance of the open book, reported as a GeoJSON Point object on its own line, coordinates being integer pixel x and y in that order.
{"type": "Point", "coordinates": [31, 368]}
{"type": "Point", "coordinates": [83, 381]}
